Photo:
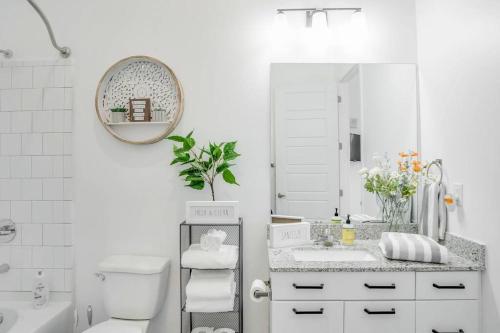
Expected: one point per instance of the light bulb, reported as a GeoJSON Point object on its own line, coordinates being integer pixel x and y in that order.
{"type": "Point", "coordinates": [320, 20]}
{"type": "Point", "coordinates": [280, 21]}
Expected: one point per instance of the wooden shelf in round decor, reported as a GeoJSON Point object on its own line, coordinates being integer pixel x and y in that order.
{"type": "Point", "coordinates": [145, 88]}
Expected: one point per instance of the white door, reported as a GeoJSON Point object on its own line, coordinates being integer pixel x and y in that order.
{"type": "Point", "coordinates": [307, 158]}
{"type": "Point", "coordinates": [350, 122]}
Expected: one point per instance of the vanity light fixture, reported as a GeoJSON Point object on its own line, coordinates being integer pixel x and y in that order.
{"type": "Point", "coordinates": [281, 20]}
{"type": "Point", "coordinates": [316, 18]}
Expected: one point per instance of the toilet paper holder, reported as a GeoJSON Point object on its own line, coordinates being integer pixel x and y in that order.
{"type": "Point", "coordinates": [260, 294]}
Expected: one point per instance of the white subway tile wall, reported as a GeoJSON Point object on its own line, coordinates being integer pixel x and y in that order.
{"type": "Point", "coordinates": [35, 172]}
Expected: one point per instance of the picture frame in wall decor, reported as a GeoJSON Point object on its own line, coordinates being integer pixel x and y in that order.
{"type": "Point", "coordinates": [151, 95]}
{"type": "Point", "coordinates": [216, 212]}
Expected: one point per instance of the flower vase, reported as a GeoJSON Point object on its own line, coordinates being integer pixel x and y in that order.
{"type": "Point", "coordinates": [393, 210]}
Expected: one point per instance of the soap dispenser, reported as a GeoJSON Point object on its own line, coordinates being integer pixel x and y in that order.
{"type": "Point", "coordinates": [348, 232]}
{"type": "Point", "coordinates": [336, 219]}
{"type": "Point", "coordinates": [40, 290]}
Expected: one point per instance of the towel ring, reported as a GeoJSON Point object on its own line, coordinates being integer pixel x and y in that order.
{"type": "Point", "coordinates": [439, 163]}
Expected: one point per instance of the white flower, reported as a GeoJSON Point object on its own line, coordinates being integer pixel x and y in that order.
{"type": "Point", "coordinates": [363, 171]}
{"type": "Point", "coordinates": [375, 171]}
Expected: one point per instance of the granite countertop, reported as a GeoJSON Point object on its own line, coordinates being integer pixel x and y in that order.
{"type": "Point", "coordinates": [282, 260]}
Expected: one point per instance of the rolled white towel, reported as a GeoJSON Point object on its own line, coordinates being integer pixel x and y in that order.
{"type": "Point", "coordinates": [212, 240]}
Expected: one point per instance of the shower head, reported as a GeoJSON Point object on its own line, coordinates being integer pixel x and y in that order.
{"type": "Point", "coordinates": [7, 53]}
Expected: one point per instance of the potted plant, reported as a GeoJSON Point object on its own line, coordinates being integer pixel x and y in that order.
{"type": "Point", "coordinates": [118, 115]}
{"type": "Point", "coordinates": [394, 189]}
{"type": "Point", "coordinates": [202, 166]}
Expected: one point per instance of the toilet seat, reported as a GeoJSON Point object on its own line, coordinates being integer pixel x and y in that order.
{"type": "Point", "coordinates": [120, 326]}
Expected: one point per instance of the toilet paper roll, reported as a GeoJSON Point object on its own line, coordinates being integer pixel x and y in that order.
{"type": "Point", "coordinates": [258, 285]}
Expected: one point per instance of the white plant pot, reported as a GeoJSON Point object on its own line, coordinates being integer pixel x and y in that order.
{"type": "Point", "coordinates": [117, 117]}
{"type": "Point", "coordinates": [212, 212]}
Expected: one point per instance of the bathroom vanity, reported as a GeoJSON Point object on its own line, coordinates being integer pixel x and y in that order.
{"type": "Point", "coordinates": [373, 294]}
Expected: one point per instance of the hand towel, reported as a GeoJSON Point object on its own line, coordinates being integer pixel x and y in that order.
{"type": "Point", "coordinates": [195, 257]}
{"type": "Point", "coordinates": [412, 247]}
{"type": "Point", "coordinates": [219, 305]}
{"type": "Point", "coordinates": [433, 214]}
{"type": "Point", "coordinates": [212, 240]}
{"type": "Point", "coordinates": [211, 285]}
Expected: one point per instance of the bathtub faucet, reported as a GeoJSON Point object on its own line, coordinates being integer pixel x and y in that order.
{"type": "Point", "coordinates": [4, 268]}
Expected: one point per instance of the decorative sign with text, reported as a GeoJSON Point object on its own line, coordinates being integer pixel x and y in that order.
{"type": "Point", "coordinates": [289, 234]}
{"type": "Point", "coordinates": [216, 212]}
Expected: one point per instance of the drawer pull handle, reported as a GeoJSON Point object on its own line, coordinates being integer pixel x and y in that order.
{"type": "Point", "coordinates": [391, 286]}
{"type": "Point", "coordinates": [459, 331]}
{"type": "Point", "coordinates": [392, 311]}
{"type": "Point", "coordinates": [459, 286]}
{"type": "Point", "coordinates": [297, 312]}
{"type": "Point", "coordinates": [320, 286]}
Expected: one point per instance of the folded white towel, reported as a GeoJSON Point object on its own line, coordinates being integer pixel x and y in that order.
{"type": "Point", "coordinates": [195, 257]}
{"type": "Point", "coordinates": [213, 240]}
{"type": "Point", "coordinates": [211, 285]}
{"type": "Point", "coordinates": [203, 330]}
{"type": "Point", "coordinates": [224, 330]}
{"type": "Point", "coordinates": [220, 305]}
{"type": "Point", "coordinates": [412, 247]}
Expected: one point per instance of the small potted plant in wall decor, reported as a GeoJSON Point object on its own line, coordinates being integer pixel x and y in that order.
{"type": "Point", "coordinates": [117, 115]}
{"type": "Point", "coordinates": [202, 166]}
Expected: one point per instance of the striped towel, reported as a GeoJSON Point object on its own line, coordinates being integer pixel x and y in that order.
{"type": "Point", "coordinates": [412, 247]}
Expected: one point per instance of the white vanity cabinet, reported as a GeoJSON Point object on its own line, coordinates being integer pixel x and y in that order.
{"type": "Point", "coordinates": [375, 302]}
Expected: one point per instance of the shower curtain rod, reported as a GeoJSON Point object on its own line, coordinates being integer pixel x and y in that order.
{"type": "Point", "coordinates": [64, 50]}
{"type": "Point", "coordinates": [7, 53]}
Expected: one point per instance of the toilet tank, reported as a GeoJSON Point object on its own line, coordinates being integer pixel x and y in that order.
{"type": "Point", "coordinates": [134, 286]}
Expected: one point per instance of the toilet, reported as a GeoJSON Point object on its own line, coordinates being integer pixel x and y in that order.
{"type": "Point", "coordinates": [134, 289]}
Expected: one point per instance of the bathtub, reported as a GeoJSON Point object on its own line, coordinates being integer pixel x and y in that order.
{"type": "Point", "coordinates": [21, 317]}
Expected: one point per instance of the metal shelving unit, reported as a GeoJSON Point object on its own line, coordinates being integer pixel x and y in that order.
{"type": "Point", "coordinates": [190, 234]}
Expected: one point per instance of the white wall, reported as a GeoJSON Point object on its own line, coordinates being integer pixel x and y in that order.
{"type": "Point", "coordinates": [221, 51]}
{"type": "Point", "coordinates": [35, 174]}
{"type": "Point", "coordinates": [459, 58]}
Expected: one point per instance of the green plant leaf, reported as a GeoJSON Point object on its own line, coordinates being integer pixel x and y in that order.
{"type": "Point", "coordinates": [223, 167]}
{"type": "Point", "coordinates": [189, 143]}
{"type": "Point", "coordinates": [216, 153]}
{"type": "Point", "coordinates": [228, 177]}
{"type": "Point", "coordinates": [229, 147]}
{"type": "Point", "coordinates": [193, 178]}
{"type": "Point", "coordinates": [197, 185]}
{"type": "Point", "coordinates": [190, 171]}
{"type": "Point", "coordinates": [229, 156]}
{"type": "Point", "coordinates": [176, 138]}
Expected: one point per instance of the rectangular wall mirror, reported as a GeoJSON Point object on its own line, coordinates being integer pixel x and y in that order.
{"type": "Point", "coordinates": [328, 121]}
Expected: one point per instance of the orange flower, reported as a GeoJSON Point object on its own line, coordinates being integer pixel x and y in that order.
{"type": "Point", "coordinates": [417, 167]}
{"type": "Point", "coordinates": [414, 154]}
{"type": "Point", "coordinates": [403, 155]}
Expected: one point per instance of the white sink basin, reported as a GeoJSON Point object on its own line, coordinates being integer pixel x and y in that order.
{"type": "Point", "coordinates": [333, 255]}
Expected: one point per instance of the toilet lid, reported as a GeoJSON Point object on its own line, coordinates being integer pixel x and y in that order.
{"type": "Point", "coordinates": [119, 326]}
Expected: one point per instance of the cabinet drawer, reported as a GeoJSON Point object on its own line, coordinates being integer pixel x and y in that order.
{"type": "Point", "coordinates": [300, 317]}
{"type": "Point", "coordinates": [343, 286]}
{"type": "Point", "coordinates": [447, 316]}
{"type": "Point", "coordinates": [379, 317]}
{"type": "Point", "coordinates": [448, 285]}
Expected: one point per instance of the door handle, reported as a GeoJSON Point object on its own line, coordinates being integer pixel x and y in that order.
{"type": "Point", "coordinates": [281, 195]}
{"type": "Point", "coordinates": [391, 311]}
{"type": "Point", "coordinates": [319, 286]}
{"type": "Point", "coordinates": [389, 286]}
{"type": "Point", "coordinates": [459, 286]}
{"type": "Point", "coordinates": [297, 312]}
{"type": "Point", "coordinates": [459, 331]}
